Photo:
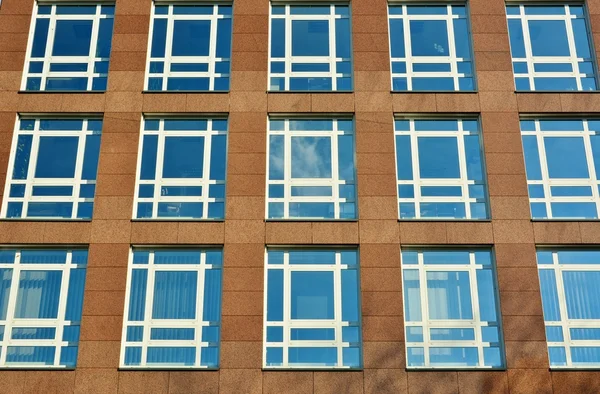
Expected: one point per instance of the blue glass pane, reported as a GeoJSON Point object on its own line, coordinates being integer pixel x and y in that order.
{"type": "Point", "coordinates": [438, 157]}
{"type": "Point", "coordinates": [75, 294]}
{"type": "Point", "coordinates": [275, 295]}
{"type": "Point", "coordinates": [172, 355]}
{"type": "Point", "coordinates": [574, 210]}
{"type": "Point", "coordinates": [159, 38]}
{"type": "Point", "coordinates": [104, 38]}
{"type": "Point", "coordinates": [72, 38]}
{"type": "Point", "coordinates": [5, 282]}
{"type": "Point", "coordinates": [566, 157]}
{"type": "Point", "coordinates": [449, 295]}
{"type": "Point", "coordinates": [310, 38]}
{"type": "Point", "coordinates": [548, 38]}
{"type": "Point", "coordinates": [175, 295]}
{"type": "Point", "coordinates": [532, 158]}
{"type": "Point", "coordinates": [582, 294]}
{"type": "Point", "coordinates": [317, 356]}
{"type": "Point", "coordinates": [397, 38]}
{"type": "Point", "coordinates": [404, 158]}
{"type": "Point", "coordinates": [429, 38]}
{"type": "Point", "coordinates": [549, 295]}
{"type": "Point", "coordinates": [412, 294]}
{"type": "Point", "coordinates": [188, 83]}
{"type": "Point", "coordinates": [487, 295]}
{"type": "Point", "coordinates": [312, 295]}
{"type": "Point", "coordinates": [311, 157]}
{"type": "Point", "coordinates": [433, 83]}
{"type": "Point", "coordinates": [191, 38]}
{"type": "Point", "coordinates": [557, 355]}
{"type": "Point", "coordinates": [212, 295]}
{"type": "Point", "coordinates": [278, 38]}
{"type": "Point", "coordinates": [56, 157]}
{"type": "Point", "coordinates": [40, 37]}
{"type": "Point", "coordinates": [22, 157]}
{"type": "Point", "coordinates": [133, 355]}
{"type": "Point", "coordinates": [463, 356]}
{"type": "Point", "coordinates": [582, 43]}
{"type": "Point", "coordinates": [342, 38]}
{"type": "Point", "coordinates": [90, 160]}
{"type": "Point", "coordinates": [473, 158]}
{"type": "Point", "coordinates": [274, 356]}
{"type": "Point", "coordinates": [38, 295]}
{"type": "Point", "coordinates": [350, 289]}
{"type": "Point", "coordinates": [137, 294]}
{"type": "Point", "coordinates": [183, 157]}
{"type": "Point", "coordinates": [218, 157]}
{"type": "Point", "coordinates": [555, 84]}
{"type": "Point", "coordinates": [517, 41]}
{"type": "Point", "coordinates": [461, 38]}
{"type": "Point", "coordinates": [31, 354]}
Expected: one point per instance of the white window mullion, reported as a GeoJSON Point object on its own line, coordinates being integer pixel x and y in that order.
{"type": "Point", "coordinates": [148, 308]}
{"type": "Point", "coordinates": [562, 306]}
{"type": "Point", "coordinates": [200, 308]}
{"type": "Point", "coordinates": [287, 307]}
{"type": "Point", "coordinates": [62, 307]}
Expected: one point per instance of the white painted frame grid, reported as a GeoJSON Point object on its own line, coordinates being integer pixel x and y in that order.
{"type": "Point", "coordinates": [32, 181]}
{"type": "Point", "coordinates": [49, 59]}
{"type": "Point", "coordinates": [332, 59]}
{"type": "Point", "coordinates": [59, 323]}
{"type": "Point", "coordinates": [288, 182]}
{"type": "Point", "coordinates": [288, 323]}
{"type": "Point", "coordinates": [149, 323]}
{"type": "Point", "coordinates": [463, 182]}
{"type": "Point", "coordinates": [159, 182]}
{"type": "Point", "coordinates": [572, 59]}
{"type": "Point", "coordinates": [565, 323]}
{"type": "Point", "coordinates": [475, 323]}
{"type": "Point", "coordinates": [451, 59]}
{"type": "Point", "coordinates": [548, 183]}
{"type": "Point", "coordinates": [169, 59]}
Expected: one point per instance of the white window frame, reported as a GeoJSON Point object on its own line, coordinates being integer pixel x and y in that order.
{"type": "Point", "coordinates": [463, 182]}
{"type": "Point", "coordinates": [288, 182]}
{"type": "Point", "coordinates": [59, 323]}
{"type": "Point", "coordinates": [289, 59]}
{"type": "Point", "coordinates": [289, 323]}
{"type": "Point", "coordinates": [159, 181]}
{"type": "Point", "coordinates": [48, 58]}
{"type": "Point", "coordinates": [547, 183]}
{"type": "Point", "coordinates": [573, 59]}
{"type": "Point", "coordinates": [565, 323]}
{"type": "Point", "coordinates": [31, 181]}
{"type": "Point", "coordinates": [212, 59]}
{"type": "Point", "coordinates": [409, 59]}
{"type": "Point", "coordinates": [475, 323]}
{"type": "Point", "coordinates": [149, 323]}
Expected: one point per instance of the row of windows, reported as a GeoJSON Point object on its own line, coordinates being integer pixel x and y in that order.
{"type": "Point", "coordinates": [312, 307]}
{"type": "Point", "coordinates": [311, 170]}
{"type": "Point", "coordinates": [310, 48]}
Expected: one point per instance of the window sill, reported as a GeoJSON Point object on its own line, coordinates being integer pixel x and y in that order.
{"type": "Point", "coordinates": [311, 91]}
{"type": "Point", "coordinates": [174, 220]}
{"type": "Point", "coordinates": [311, 220]}
{"type": "Point", "coordinates": [165, 368]}
{"type": "Point", "coordinates": [224, 92]}
{"type": "Point", "coordinates": [52, 368]}
{"type": "Point", "coordinates": [45, 220]}
{"type": "Point", "coordinates": [557, 91]}
{"type": "Point", "coordinates": [445, 220]}
{"type": "Point", "coordinates": [465, 92]}
{"type": "Point", "coordinates": [573, 220]}
{"type": "Point", "coordinates": [61, 91]}
{"type": "Point", "coordinates": [311, 369]}
{"type": "Point", "coordinates": [456, 369]}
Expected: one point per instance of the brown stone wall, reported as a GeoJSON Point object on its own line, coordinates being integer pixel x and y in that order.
{"type": "Point", "coordinates": [244, 233]}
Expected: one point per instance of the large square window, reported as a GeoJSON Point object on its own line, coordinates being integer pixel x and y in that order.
{"type": "Point", "coordinates": [562, 157]}
{"type": "Point", "coordinates": [181, 169]}
{"type": "Point", "coordinates": [312, 309]}
{"type": "Point", "coordinates": [173, 309]}
{"type": "Point", "coordinates": [551, 47]}
{"type": "Point", "coordinates": [310, 48]}
{"type": "Point", "coordinates": [430, 48]}
{"type": "Point", "coordinates": [41, 299]}
{"type": "Point", "coordinates": [440, 169]}
{"type": "Point", "coordinates": [52, 168]}
{"type": "Point", "coordinates": [451, 313]}
{"type": "Point", "coordinates": [311, 173]}
{"type": "Point", "coordinates": [69, 47]}
{"type": "Point", "coordinates": [190, 47]}
{"type": "Point", "coordinates": [569, 286]}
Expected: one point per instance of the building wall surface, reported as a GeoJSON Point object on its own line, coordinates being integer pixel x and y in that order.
{"type": "Point", "coordinates": [244, 233]}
